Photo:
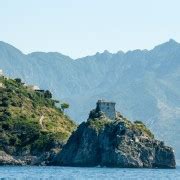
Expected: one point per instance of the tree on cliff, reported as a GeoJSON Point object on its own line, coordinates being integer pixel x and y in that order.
{"type": "Point", "coordinates": [64, 106]}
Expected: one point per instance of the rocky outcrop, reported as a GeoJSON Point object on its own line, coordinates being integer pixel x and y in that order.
{"type": "Point", "coordinates": [41, 160]}
{"type": "Point", "coordinates": [6, 159]}
{"type": "Point", "coordinates": [114, 143]}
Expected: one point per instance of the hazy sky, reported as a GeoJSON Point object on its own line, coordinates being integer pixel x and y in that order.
{"type": "Point", "coordinates": [83, 27]}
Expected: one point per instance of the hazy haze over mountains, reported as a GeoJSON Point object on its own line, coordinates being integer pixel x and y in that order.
{"type": "Point", "coordinates": [144, 84]}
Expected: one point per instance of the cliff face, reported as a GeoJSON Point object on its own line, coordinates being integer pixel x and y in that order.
{"type": "Point", "coordinates": [32, 128]}
{"type": "Point", "coordinates": [118, 143]}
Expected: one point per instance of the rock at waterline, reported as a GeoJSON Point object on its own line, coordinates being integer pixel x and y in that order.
{"type": "Point", "coordinates": [114, 143]}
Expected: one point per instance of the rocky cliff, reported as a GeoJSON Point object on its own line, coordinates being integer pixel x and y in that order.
{"type": "Point", "coordinates": [114, 143]}
{"type": "Point", "coordinates": [32, 128]}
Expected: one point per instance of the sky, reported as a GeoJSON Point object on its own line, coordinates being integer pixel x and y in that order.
{"type": "Point", "coordinates": [79, 28]}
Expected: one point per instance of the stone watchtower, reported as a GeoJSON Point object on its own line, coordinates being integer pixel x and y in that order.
{"type": "Point", "coordinates": [108, 108]}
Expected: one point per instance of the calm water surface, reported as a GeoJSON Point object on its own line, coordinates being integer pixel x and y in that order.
{"type": "Point", "coordinates": [73, 173]}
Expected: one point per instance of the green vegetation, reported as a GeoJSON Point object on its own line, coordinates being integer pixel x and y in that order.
{"type": "Point", "coordinates": [29, 119]}
{"type": "Point", "coordinates": [138, 126]}
{"type": "Point", "coordinates": [138, 122]}
{"type": "Point", "coordinates": [64, 106]}
{"type": "Point", "coordinates": [141, 127]}
{"type": "Point", "coordinates": [98, 124]}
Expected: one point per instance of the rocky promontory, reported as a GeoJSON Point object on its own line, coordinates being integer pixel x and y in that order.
{"type": "Point", "coordinates": [108, 139]}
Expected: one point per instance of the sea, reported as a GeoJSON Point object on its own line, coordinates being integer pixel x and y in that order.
{"type": "Point", "coordinates": [76, 173]}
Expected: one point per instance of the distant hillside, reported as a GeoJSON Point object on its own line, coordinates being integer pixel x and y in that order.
{"type": "Point", "coordinates": [145, 84]}
{"type": "Point", "coordinates": [32, 128]}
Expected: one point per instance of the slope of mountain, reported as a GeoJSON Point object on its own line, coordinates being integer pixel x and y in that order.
{"type": "Point", "coordinates": [145, 84]}
{"type": "Point", "coordinates": [32, 128]}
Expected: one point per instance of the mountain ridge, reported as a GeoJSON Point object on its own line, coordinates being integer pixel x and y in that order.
{"type": "Point", "coordinates": [169, 42]}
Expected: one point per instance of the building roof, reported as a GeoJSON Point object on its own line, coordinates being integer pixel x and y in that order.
{"type": "Point", "coordinates": [105, 101]}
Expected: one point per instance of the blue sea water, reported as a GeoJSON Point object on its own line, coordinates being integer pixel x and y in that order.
{"type": "Point", "coordinates": [74, 173]}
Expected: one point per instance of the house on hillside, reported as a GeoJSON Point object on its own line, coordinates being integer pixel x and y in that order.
{"type": "Point", "coordinates": [1, 72]}
{"type": "Point", "coordinates": [32, 87]}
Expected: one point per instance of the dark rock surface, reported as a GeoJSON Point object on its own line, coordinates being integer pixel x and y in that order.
{"type": "Point", "coordinates": [118, 143]}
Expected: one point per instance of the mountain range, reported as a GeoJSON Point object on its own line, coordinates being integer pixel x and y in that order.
{"type": "Point", "coordinates": [145, 84]}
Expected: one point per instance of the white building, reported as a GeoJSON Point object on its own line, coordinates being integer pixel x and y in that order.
{"type": "Point", "coordinates": [1, 85]}
{"type": "Point", "coordinates": [36, 88]}
{"type": "Point", "coordinates": [1, 72]}
{"type": "Point", "coordinates": [32, 87]}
